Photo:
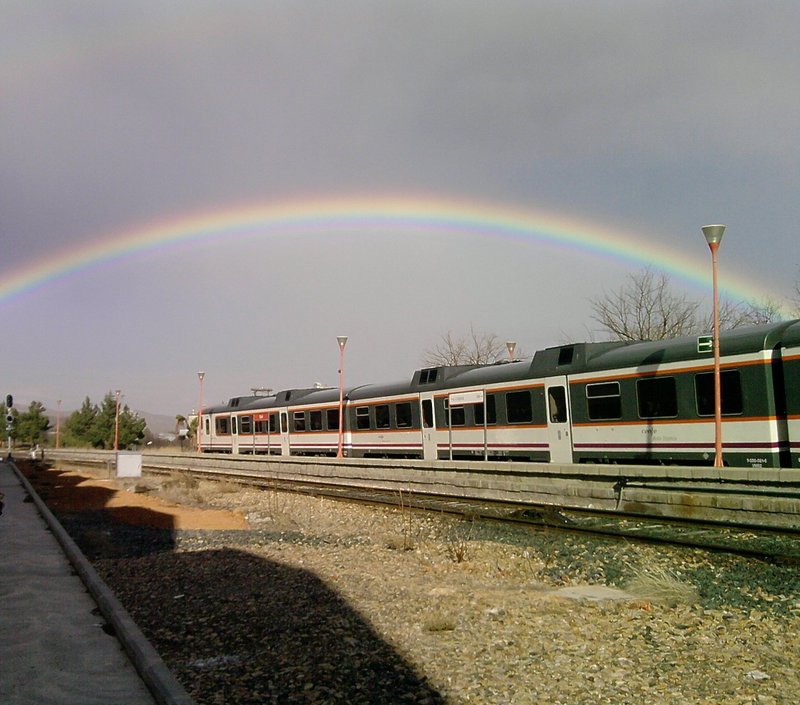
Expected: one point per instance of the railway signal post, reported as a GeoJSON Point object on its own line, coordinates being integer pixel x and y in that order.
{"type": "Point", "coordinates": [9, 420]}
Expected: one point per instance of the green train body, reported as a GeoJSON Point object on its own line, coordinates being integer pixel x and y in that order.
{"type": "Point", "coordinates": [614, 402]}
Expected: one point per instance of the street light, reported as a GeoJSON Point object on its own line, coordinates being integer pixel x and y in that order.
{"type": "Point", "coordinates": [342, 340]}
{"type": "Point", "coordinates": [58, 423]}
{"type": "Point", "coordinates": [511, 346]}
{"type": "Point", "coordinates": [713, 234]}
{"type": "Point", "coordinates": [116, 423]}
{"type": "Point", "coordinates": [201, 376]}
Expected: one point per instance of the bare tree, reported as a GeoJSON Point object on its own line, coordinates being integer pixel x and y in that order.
{"type": "Point", "coordinates": [647, 308]}
{"type": "Point", "coordinates": [744, 314]}
{"type": "Point", "coordinates": [474, 349]}
{"type": "Point", "coordinates": [796, 298]}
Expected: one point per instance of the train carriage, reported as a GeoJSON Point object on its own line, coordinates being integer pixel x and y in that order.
{"type": "Point", "coordinates": [384, 421]}
{"type": "Point", "coordinates": [483, 412]}
{"type": "Point", "coordinates": [790, 354]}
{"type": "Point", "coordinates": [620, 402]}
{"type": "Point", "coordinates": [654, 402]}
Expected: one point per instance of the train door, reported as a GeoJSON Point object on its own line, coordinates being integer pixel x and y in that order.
{"type": "Point", "coordinates": [428, 424]}
{"type": "Point", "coordinates": [234, 434]}
{"type": "Point", "coordinates": [558, 422]}
{"type": "Point", "coordinates": [283, 428]}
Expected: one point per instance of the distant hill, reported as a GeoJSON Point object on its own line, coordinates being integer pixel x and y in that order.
{"type": "Point", "coordinates": [158, 423]}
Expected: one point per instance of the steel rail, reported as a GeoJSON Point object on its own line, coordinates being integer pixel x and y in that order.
{"type": "Point", "coordinates": [639, 528]}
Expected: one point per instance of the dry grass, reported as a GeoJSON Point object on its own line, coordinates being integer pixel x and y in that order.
{"type": "Point", "coordinates": [457, 540]}
{"type": "Point", "coordinates": [439, 622]}
{"type": "Point", "coordinates": [659, 584]}
{"type": "Point", "coordinates": [182, 488]}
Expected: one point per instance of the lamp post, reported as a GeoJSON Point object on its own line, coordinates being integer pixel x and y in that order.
{"type": "Point", "coordinates": [201, 376]}
{"type": "Point", "coordinates": [713, 235]}
{"type": "Point", "coordinates": [58, 423]}
{"type": "Point", "coordinates": [511, 346]}
{"type": "Point", "coordinates": [342, 340]}
{"type": "Point", "coordinates": [116, 422]}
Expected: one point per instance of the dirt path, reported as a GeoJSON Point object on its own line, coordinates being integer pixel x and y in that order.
{"type": "Point", "coordinates": [72, 491]}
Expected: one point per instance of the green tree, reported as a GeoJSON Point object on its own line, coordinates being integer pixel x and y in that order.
{"type": "Point", "coordinates": [31, 426]}
{"type": "Point", "coordinates": [102, 432]}
{"type": "Point", "coordinates": [95, 426]}
{"type": "Point", "coordinates": [131, 427]}
{"type": "Point", "coordinates": [78, 426]}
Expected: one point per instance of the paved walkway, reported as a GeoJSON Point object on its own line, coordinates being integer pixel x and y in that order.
{"type": "Point", "coordinates": [53, 648]}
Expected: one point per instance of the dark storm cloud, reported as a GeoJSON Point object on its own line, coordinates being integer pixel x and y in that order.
{"type": "Point", "coordinates": [655, 116]}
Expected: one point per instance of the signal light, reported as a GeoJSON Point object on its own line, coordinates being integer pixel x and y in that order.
{"type": "Point", "coordinates": [9, 401]}
{"type": "Point", "coordinates": [9, 418]}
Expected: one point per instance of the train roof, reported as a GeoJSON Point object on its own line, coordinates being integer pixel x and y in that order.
{"type": "Point", "coordinates": [736, 341]}
{"type": "Point", "coordinates": [562, 359]}
{"type": "Point", "coordinates": [368, 391]}
{"type": "Point", "coordinates": [791, 336]}
{"type": "Point", "coordinates": [475, 375]}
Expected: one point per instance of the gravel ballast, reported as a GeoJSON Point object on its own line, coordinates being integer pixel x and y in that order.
{"type": "Point", "coordinates": [326, 602]}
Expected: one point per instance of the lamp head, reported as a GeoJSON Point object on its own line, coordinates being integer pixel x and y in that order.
{"type": "Point", "coordinates": [713, 234]}
{"type": "Point", "coordinates": [342, 340]}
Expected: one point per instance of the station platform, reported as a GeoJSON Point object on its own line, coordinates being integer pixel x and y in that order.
{"type": "Point", "coordinates": [64, 638]}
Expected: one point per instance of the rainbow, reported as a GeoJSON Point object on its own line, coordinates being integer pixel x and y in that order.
{"type": "Point", "coordinates": [379, 216]}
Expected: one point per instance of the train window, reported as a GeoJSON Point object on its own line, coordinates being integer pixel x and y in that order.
{"type": "Point", "coordinates": [518, 407]}
{"type": "Point", "coordinates": [428, 376]}
{"type": "Point", "coordinates": [565, 356]}
{"type": "Point", "coordinates": [332, 419]}
{"type": "Point", "coordinates": [402, 415]}
{"type": "Point", "coordinates": [492, 411]}
{"type": "Point", "coordinates": [362, 417]}
{"type": "Point", "coordinates": [557, 403]}
{"type": "Point", "coordinates": [604, 401]}
{"type": "Point", "coordinates": [223, 425]}
{"type": "Point", "coordinates": [315, 420]}
{"type": "Point", "coordinates": [284, 422]}
{"type": "Point", "coordinates": [427, 413]}
{"type": "Point", "coordinates": [245, 424]}
{"type": "Point", "coordinates": [382, 416]}
{"type": "Point", "coordinates": [299, 421]}
{"type": "Point", "coordinates": [656, 397]}
{"type": "Point", "coordinates": [272, 424]}
{"type": "Point", "coordinates": [730, 392]}
{"type": "Point", "coordinates": [260, 426]}
{"type": "Point", "coordinates": [208, 428]}
{"type": "Point", "coordinates": [456, 414]}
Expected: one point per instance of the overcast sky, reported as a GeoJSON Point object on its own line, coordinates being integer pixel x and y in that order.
{"type": "Point", "coordinates": [649, 119]}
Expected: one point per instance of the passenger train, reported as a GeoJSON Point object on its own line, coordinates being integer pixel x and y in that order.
{"type": "Point", "coordinates": [649, 402]}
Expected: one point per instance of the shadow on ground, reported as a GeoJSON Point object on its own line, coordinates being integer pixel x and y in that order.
{"type": "Point", "coordinates": [233, 627]}
{"type": "Point", "coordinates": [99, 530]}
{"type": "Point", "coordinates": [236, 628]}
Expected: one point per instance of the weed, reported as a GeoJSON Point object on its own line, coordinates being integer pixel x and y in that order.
{"type": "Point", "coordinates": [457, 540]}
{"type": "Point", "coordinates": [408, 543]}
{"type": "Point", "coordinates": [439, 622]}
{"type": "Point", "coordinates": [658, 584]}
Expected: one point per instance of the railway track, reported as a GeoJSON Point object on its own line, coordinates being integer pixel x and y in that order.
{"type": "Point", "coordinates": [777, 545]}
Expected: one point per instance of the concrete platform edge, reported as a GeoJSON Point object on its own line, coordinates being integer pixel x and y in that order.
{"type": "Point", "coordinates": [163, 685]}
